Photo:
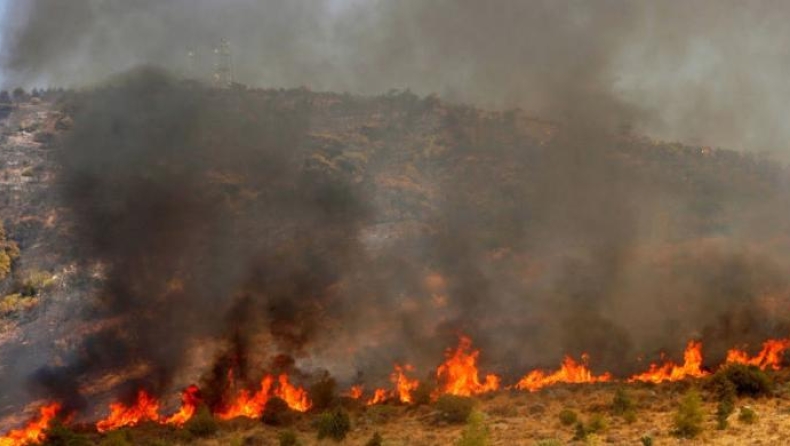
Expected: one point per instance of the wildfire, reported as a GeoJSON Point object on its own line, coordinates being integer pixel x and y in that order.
{"type": "Point", "coordinates": [769, 356]}
{"type": "Point", "coordinates": [355, 392]}
{"type": "Point", "coordinates": [570, 372]}
{"type": "Point", "coordinates": [190, 399]}
{"type": "Point", "coordinates": [691, 368]}
{"type": "Point", "coordinates": [379, 396]}
{"type": "Point", "coordinates": [34, 431]}
{"type": "Point", "coordinates": [459, 376]}
{"type": "Point", "coordinates": [252, 405]}
{"type": "Point", "coordinates": [145, 408]}
{"type": "Point", "coordinates": [403, 384]}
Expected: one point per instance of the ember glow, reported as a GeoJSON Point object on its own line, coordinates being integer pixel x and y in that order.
{"type": "Point", "coordinates": [459, 375]}
{"type": "Point", "coordinates": [34, 431]}
{"type": "Point", "coordinates": [769, 356]}
{"type": "Point", "coordinates": [570, 372]}
{"type": "Point", "coordinates": [669, 371]}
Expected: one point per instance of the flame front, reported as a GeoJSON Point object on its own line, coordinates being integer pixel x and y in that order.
{"type": "Point", "coordinates": [570, 372]}
{"type": "Point", "coordinates": [296, 397]}
{"type": "Point", "coordinates": [145, 408]}
{"type": "Point", "coordinates": [190, 399]}
{"type": "Point", "coordinates": [691, 368]}
{"type": "Point", "coordinates": [251, 406]}
{"type": "Point", "coordinates": [34, 431]}
{"type": "Point", "coordinates": [379, 396]}
{"type": "Point", "coordinates": [459, 376]}
{"type": "Point", "coordinates": [403, 385]}
{"type": "Point", "coordinates": [769, 356]}
{"type": "Point", "coordinates": [355, 392]}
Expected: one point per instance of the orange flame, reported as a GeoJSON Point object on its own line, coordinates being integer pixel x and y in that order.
{"type": "Point", "coordinates": [251, 406]}
{"type": "Point", "coordinates": [355, 392]}
{"type": "Point", "coordinates": [769, 356]}
{"type": "Point", "coordinates": [459, 376]}
{"type": "Point", "coordinates": [403, 384]}
{"type": "Point", "coordinates": [296, 397]}
{"type": "Point", "coordinates": [189, 401]}
{"type": "Point", "coordinates": [34, 431]}
{"type": "Point", "coordinates": [570, 372]}
{"type": "Point", "coordinates": [692, 367]}
{"type": "Point", "coordinates": [145, 408]}
{"type": "Point", "coordinates": [379, 396]}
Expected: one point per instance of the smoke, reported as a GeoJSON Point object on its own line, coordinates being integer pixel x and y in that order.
{"type": "Point", "coordinates": [708, 72]}
{"type": "Point", "coordinates": [352, 232]}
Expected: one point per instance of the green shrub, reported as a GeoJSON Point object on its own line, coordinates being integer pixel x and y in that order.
{"type": "Point", "coordinates": [202, 424]}
{"type": "Point", "coordinates": [724, 409]}
{"type": "Point", "coordinates": [549, 442]}
{"type": "Point", "coordinates": [595, 424]}
{"type": "Point", "coordinates": [629, 416]}
{"type": "Point", "coordinates": [375, 440]}
{"type": "Point", "coordinates": [454, 408]}
{"type": "Point", "coordinates": [288, 438]}
{"type": "Point", "coordinates": [646, 440]}
{"type": "Point", "coordinates": [747, 415]}
{"type": "Point", "coordinates": [277, 413]}
{"type": "Point", "coordinates": [747, 381]}
{"type": "Point", "coordinates": [323, 392]}
{"type": "Point", "coordinates": [15, 303]}
{"type": "Point", "coordinates": [334, 424]}
{"type": "Point", "coordinates": [622, 402]}
{"type": "Point", "coordinates": [380, 413]}
{"type": "Point", "coordinates": [59, 434]}
{"type": "Point", "coordinates": [688, 418]}
{"type": "Point", "coordinates": [116, 438]}
{"type": "Point", "coordinates": [568, 417]}
{"type": "Point", "coordinates": [476, 432]}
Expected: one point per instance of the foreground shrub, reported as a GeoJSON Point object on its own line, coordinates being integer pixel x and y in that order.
{"type": "Point", "coordinates": [422, 394]}
{"type": "Point", "coordinates": [116, 438]}
{"type": "Point", "coordinates": [595, 424]}
{"type": "Point", "coordinates": [202, 424]}
{"type": "Point", "coordinates": [334, 424]}
{"type": "Point", "coordinates": [622, 402]}
{"type": "Point", "coordinates": [454, 408]}
{"type": "Point", "coordinates": [646, 440]}
{"type": "Point", "coordinates": [688, 418]}
{"type": "Point", "coordinates": [745, 379]}
{"type": "Point", "coordinates": [476, 432]}
{"type": "Point", "coordinates": [375, 440]}
{"type": "Point", "coordinates": [288, 438]}
{"type": "Point", "coordinates": [277, 413]}
{"type": "Point", "coordinates": [747, 415]}
{"type": "Point", "coordinates": [549, 442]}
{"type": "Point", "coordinates": [568, 417]}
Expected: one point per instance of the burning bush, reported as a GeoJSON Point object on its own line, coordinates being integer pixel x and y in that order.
{"type": "Point", "coordinates": [454, 408]}
{"type": "Point", "coordinates": [334, 424]}
{"type": "Point", "coordinates": [688, 418]}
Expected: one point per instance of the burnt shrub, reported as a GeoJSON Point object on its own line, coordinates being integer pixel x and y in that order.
{"type": "Point", "coordinates": [277, 413]}
{"type": "Point", "coordinates": [323, 392]}
{"type": "Point", "coordinates": [747, 381]}
{"type": "Point", "coordinates": [334, 424]}
{"type": "Point", "coordinates": [454, 408]}
{"type": "Point", "coordinates": [202, 424]}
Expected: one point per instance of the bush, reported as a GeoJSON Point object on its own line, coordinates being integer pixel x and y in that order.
{"type": "Point", "coordinates": [277, 413]}
{"type": "Point", "coordinates": [568, 417]}
{"type": "Point", "coordinates": [688, 418]}
{"type": "Point", "coordinates": [454, 408]}
{"type": "Point", "coordinates": [288, 438]}
{"type": "Point", "coordinates": [60, 435]}
{"type": "Point", "coordinates": [747, 381]}
{"type": "Point", "coordinates": [747, 415]}
{"type": "Point", "coordinates": [622, 402]}
{"type": "Point", "coordinates": [548, 442]}
{"type": "Point", "coordinates": [595, 424]}
{"type": "Point", "coordinates": [476, 432]}
{"type": "Point", "coordinates": [323, 392]}
{"type": "Point", "coordinates": [646, 440]}
{"type": "Point", "coordinates": [202, 424]}
{"type": "Point", "coordinates": [375, 440]}
{"type": "Point", "coordinates": [422, 394]}
{"type": "Point", "coordinates": [334, 424]}
{"type": "Point", "coordinates": [116, 438]}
